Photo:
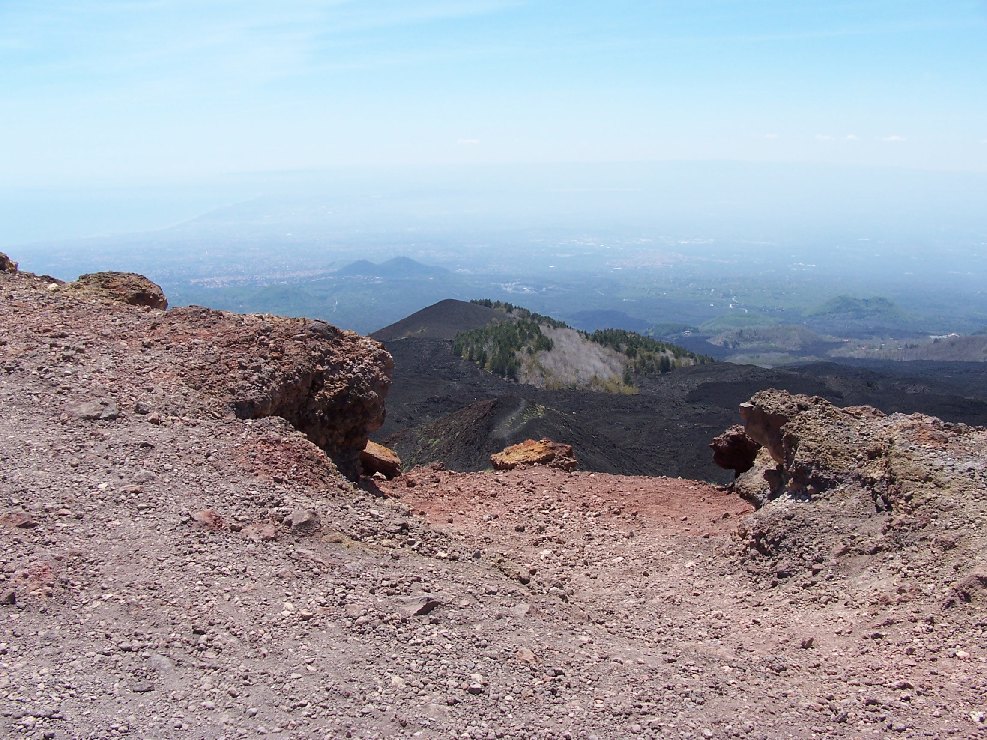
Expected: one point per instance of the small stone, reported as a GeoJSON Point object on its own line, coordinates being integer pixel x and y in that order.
{"type": "Point", "coordinates": [18, 520]}
{"type": "Point", "coordinates": [8, 597]}
{"type": "Point", "coordinates": [208, 519]}
{"type": "Point", "coordinates": [302, 521]}
{"type": "Point", "coordinates": [143, 687]}
{"type": "Point", "coordinates": [261, 531]}
{"type": "Point", "coordinates": [101, 410]}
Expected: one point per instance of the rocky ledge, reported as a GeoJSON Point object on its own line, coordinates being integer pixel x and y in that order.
{"type": "Point", "coordinates": [137, 358]}
{"type": "Point", "coordinates": [895, 501]}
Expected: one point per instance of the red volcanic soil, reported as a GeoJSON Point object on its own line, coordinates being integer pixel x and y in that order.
{"type": "Point", "coordinates": [491, 504]}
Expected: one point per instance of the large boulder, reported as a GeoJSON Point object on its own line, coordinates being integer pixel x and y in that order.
{"type": "Point", "coordinates": [125, 287]}
{"type": "Point", "coordinates": [330, 384]}
{"type": "Point", "coordinates": [6, 264]}
{"type": "Point", "coordinates": [532, 452]}
{"type": "Point", "coordinates": [194, 363]}
{"type": "Point", "coordinates": [814, 444]}
{"type": "Point", "coordinates": [853, 492]}
{"type": "Point", "coordinates": [377, 458]}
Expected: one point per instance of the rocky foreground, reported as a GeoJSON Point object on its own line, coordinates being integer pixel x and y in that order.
{"type": "Point", "coordinates": [183, 557]}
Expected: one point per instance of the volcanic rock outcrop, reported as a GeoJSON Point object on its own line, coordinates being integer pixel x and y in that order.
{"type": "Point", "coordinates": [734, 450]}
{"type": "Point", "coordinates": [7, 264]}
{"type": "Point", "coordinates": [868, 493]}
{"type": "Point", "coordinates": [328, 383]}
{"type": "Point", "coordinates": [125, 287]}
{"type": "Point", "coordinates": [535, 452]}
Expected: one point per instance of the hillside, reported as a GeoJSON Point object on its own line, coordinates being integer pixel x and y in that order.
{"type": "Point", "coordinates": [849, 316]}
{"type": "Point", "coordinates": [183, 558]}
{"type": "Point", "coordinates": [442, 320]}
{"type": "Point", "coordinates": [442, 407]}
{"type": "Point", "coordinates": [544, 352]}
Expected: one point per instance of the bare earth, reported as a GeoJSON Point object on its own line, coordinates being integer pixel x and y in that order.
{"type": "Point", "coordinates": [170, 570]}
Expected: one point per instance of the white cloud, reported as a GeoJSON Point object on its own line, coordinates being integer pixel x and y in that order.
{"type": "Point", "coordinates": [824, 137]}
{"type": "Point", "coordinates": [771, 137]}
{"type": "Point", "coordinates": [852, 137]}
{"type": "Point", "coordinates": [894, 138]}
{"type": "Point", "coordinates": [467, 142]}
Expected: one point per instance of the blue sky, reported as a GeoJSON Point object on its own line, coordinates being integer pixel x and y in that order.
{"type": "Point", "coordinates": [114, 91]}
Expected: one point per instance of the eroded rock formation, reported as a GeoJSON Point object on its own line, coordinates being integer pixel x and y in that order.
{"type": "Point", "coordinates": [735, 450]}
{"type": "Point", "coordinates": [6, 264]}
{"type": "Point", "coordinates": [833, 484]}
{"type": "Point", "coordinates": [327, 383]}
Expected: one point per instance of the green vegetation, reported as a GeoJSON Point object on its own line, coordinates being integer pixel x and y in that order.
{"type": "Point", "coordinates": [495, 347]}
{"type": "Point", "coordinates": [647, 356]}
{"type": "Point", "coordinates": [730, 321]}
{"type": "Point", "coordinates": [857, 308]}
{"type": "Point", "coordinates": [500, 348]}
{"type": "Point", "coordinates": [521, 313]}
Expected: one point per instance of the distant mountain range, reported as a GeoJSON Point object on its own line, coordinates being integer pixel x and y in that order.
{"type": "Point", "coordinates": [397, 268]}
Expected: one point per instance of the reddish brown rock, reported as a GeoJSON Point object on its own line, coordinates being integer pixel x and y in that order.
{"type": "Point", "coordinates": [18, 520]}
{"type": "Point", "coordinates": [261, 531]}
{"type": "Point", "coordinates": [7, 264]}
{"type": "Point", "coordinates": [377, 458]}
{"type": "Point", "coordinates": [531, 452]}
{"type": "Point", "coordinates": [208, 519]}
{"type": "Point", "coordinates": [328, 383]}
{"type": "Point", "coordinates": [125, 287]}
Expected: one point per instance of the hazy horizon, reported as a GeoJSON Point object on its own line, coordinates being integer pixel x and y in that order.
{"type": "Point", "coordinates": [819, 147]}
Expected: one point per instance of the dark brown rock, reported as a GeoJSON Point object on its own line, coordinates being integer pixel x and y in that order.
{"type": "Point", "coordinates": [125, 287]}
{"type": "Point", "coordinates": [376, 458]}
{"type": "Point", "coordinates": [967, 590]}
{"type": "Point", "coordinates": [734, 450]}
{"type": "Point", "coordinates": [6, 264]}
{"type": "Point", "coordinates": [19, 520]}
{"type": "Point", "coordinates": [328, 383]}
